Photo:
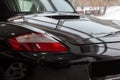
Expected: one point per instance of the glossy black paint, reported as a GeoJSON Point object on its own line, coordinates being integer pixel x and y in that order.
{"type": "Point", "coordinates": [83, 42]}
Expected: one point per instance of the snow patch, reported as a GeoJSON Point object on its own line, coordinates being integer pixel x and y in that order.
{"type": "Point", "coordinates": [112, 13]}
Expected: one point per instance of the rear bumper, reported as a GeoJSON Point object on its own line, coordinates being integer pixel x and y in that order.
{"type": "Point", "coordinates": [105, 70]}
{"type": "Point", "coordinates": [46, 59]}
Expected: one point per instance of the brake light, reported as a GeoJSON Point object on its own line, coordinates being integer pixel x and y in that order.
{"type": "Point", "coordinates": [36, 42]}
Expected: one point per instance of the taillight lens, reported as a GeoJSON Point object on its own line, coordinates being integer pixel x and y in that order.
{"type": "Point", "coordinates": [36, 42]}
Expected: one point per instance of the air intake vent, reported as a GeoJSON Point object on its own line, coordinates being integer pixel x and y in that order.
{"type": "Point", "coordinates": [64, 17]}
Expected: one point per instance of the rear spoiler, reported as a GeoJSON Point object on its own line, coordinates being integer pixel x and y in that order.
{"type": "Point", "coordinates": [102, 69]}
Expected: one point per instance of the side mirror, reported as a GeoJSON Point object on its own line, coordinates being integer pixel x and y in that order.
{"type": "Point", "coordinates": [105, 70]}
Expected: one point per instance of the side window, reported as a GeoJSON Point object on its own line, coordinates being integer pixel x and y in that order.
{"type": "Point", "coordinates": [33, 6]}
{"type": "Point", "coordinates": [25, 5]}
{"type": "Point", "coordinates": [47, 5]}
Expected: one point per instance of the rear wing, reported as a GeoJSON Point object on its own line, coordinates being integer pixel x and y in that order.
{"type": "Point", "coordinates": [103, 69]}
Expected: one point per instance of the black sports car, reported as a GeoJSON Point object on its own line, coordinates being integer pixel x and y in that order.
{"type": "Point", "coordinates": [50, 33]}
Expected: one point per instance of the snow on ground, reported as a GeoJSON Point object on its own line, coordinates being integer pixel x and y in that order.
{"type": "Point", "coordinates": [112, 13]}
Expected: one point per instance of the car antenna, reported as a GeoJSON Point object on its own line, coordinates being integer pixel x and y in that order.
{"type": "Point", "coordinates": [59, 24]}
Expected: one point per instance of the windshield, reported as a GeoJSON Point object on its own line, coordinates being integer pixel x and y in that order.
{"type": "Point", "coordinates": [36, 6]}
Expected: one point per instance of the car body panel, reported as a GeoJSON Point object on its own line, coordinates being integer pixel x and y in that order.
{"type": "Point", "coordinates": [108, 45]}
{"type": "Point", "coordinates": [86, 41]}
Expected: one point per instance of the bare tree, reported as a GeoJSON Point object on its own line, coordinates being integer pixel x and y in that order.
{"type": "Point", "coordinates": [104, 4]}
{"type": "Point", "coordinates": [101, 5]}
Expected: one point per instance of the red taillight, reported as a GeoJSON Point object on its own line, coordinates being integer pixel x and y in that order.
{"type": "Point", "coordinates": [36, 42]}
